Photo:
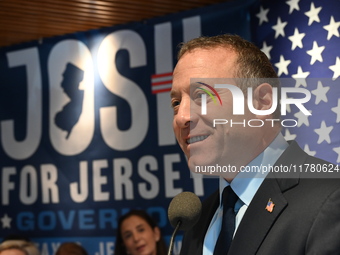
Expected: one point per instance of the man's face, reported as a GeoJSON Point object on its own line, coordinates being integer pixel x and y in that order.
{"type": "Point", "coordinates": [202, 143]}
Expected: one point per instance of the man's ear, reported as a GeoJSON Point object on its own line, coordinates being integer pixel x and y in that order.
{"type": "Point", "coordinates": [263, 97]}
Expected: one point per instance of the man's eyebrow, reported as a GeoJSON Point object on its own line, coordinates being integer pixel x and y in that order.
{"type": "Point", "coordinates": [192, 85]}
{"type": "Point", "coordinates": [197, 84]}
{"type": "Point", "coordinates": [173, 93]}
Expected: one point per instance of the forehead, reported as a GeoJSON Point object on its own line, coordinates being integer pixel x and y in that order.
{"type": "Point", "coordinates": [204, 57]}
{"type": "Point", "coordinates": [204, 63]}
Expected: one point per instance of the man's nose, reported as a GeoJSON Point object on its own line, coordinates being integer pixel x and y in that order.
{"type": "Point", "coordinates": [185, 114]}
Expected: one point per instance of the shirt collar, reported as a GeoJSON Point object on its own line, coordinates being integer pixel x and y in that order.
{"type": "Point", "coordinates": [246, 184]}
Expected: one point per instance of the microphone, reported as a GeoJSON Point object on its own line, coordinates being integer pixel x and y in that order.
{"type": "Point", "coordinates": [183, 213]}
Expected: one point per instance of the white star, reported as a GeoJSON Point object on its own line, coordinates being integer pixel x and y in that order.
{"type": "Point", "coordinates": [337, 111]}
{"type": "Point", "coordinates": [336, 68]}
{"type": "Point", "coordinates": [293, 5]}
{"type": "Point", "coordinates": [308, 151]}
{"type": "Point", "coordinates": [296, 39]}
{"type": "Point", "coordinates": [320, 93]}
{"type": "Point", "coordinates": [282, 65]}
{"type": "Point", "coordinates": [313, 14]}
{"type": "Point", "coordinates": [266, 49]}
{"type": "Point", "coordinates": [337, 150]}
{"type": "Point", "coordinates": [279, 28]}
{"type": "Point", "coordinates": [262, 15]}
{"type": "Point", "coordinates": [332, 28]}
{"type": "Point", "coordinates": [315, 53]}
{"type": "Point", "coordinates": [323, 132]}
{"type": "Point", "coordinates": [288, 136]}
{"type": "Point", "coordinates": [300, 77]}
{"type": "Point", "coordinates": [302, 119]}
{"type": "Point", "coordinates": [6, 221]}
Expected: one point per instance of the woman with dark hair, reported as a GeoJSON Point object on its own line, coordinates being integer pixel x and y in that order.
{"type": "Point", "coordinates": [70, 248]}
{"type": "Point", "coordinates": [138, 234]}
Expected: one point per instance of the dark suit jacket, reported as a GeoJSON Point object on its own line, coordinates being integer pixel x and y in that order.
{"type": "Point", "coordinates": [305, 218]}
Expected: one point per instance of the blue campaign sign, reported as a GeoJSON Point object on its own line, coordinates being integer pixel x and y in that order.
{"type": "Point", "coordinates": [86, 128]}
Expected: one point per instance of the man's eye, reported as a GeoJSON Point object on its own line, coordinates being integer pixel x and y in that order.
{"type": "Point", "coordinates": [174, 103]}
{"type": "Point", "coordinates": [198, 94]}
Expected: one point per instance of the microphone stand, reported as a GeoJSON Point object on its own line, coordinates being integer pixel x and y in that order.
{"type": "Point", "coordinates": [171, 245]}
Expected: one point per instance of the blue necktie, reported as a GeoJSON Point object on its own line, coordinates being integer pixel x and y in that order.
{"type": "Point", "coordinates": [229, 199]}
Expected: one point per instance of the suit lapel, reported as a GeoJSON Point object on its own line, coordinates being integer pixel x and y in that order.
{"type": "Point", "coordinates": [257, 221]}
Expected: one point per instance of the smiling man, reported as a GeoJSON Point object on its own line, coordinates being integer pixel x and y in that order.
{"type": "Point", "coordinates": [271, 213]}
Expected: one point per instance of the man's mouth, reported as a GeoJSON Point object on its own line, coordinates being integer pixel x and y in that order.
{"type": "Point", "coordinates": [196, 139]}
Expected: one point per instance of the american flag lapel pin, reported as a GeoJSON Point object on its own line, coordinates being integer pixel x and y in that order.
{"type": "Point", "coordinates": [270, 205]}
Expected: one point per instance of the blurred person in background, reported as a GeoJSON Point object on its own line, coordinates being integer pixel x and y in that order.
{"type": "Point", "coordinates": [18, 246]}
{"type": "Point", "coordinates": [138, 234]}
{"type": "Point", "coordinates": [70, 248]}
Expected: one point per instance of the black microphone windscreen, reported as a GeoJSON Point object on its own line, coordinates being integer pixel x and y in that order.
{"type": "Point", "coordinates": [185, 207]}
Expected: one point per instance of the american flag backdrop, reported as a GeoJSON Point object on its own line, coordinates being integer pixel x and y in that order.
{"type": "Point", "coordinates": [302, 40]}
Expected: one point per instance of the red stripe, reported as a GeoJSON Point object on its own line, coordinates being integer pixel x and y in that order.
{"type": "Point", "coordinates": [161, 83]}
{"type": "Point", "coordinates": [160, 75]}
{"type": "Point", "coordinates": [161, 90]}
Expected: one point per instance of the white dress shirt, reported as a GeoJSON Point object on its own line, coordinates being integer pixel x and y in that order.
{"type": "Point", "coordinates": [245, 185]}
